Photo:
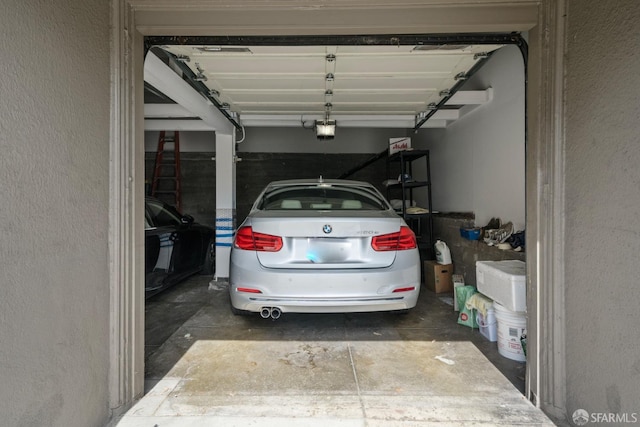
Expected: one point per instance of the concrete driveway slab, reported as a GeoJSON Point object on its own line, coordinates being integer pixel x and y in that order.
{"type": "Point", "coordinates": [374, 370]}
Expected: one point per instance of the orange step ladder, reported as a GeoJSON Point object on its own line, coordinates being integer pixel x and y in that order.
{"type": "Point", "coordinates": [166, 174]}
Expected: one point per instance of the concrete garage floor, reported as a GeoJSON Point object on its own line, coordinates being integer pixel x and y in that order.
{"type": "Point", "coordinates": [207, 367]}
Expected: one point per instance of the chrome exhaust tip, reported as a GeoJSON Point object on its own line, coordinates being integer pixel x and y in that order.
{"type": "Point", "coordinates": [275, 313]}
{"type": "Point", "coordinates": [265, 312]}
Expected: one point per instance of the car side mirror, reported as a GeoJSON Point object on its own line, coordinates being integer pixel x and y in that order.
{"type": "Point", "coordinates": [187, 220]}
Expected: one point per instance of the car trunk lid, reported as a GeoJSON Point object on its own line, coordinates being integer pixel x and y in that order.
{"type": "Point", "coordinates": [332, 241]}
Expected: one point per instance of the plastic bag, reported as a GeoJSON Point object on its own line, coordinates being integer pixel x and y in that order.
{"type": "Point", "coordinates": [467, 317]}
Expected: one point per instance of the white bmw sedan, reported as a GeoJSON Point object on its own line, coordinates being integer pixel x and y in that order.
{"type": "Point", "coordinates": [323, 246]}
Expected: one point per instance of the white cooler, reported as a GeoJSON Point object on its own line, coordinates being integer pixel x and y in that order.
{"type": "Point", "coordinates": [504, 282]}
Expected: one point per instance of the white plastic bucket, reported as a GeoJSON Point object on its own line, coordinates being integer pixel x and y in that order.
{"type": "Point", "coordinates": [488, 326]}
{"type": "Point", "coordinates": [443, 254]}
{"type": "Point", "coordinates": [512, 325]}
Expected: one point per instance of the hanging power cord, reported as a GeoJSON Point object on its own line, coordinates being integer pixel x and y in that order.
{"type": "Point", "coordinates": [305, 124]}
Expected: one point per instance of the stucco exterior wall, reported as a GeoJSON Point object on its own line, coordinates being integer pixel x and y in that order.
{"type": "Point", "coordinates": [602, 207]}
{"type": "Point", "coordinates": [54, 125]}
{"type": "Point", "coordinates": [54, 140]}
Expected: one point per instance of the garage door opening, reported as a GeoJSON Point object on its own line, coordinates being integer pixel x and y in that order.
{"type": "Point", "coordinates": [421, 102]}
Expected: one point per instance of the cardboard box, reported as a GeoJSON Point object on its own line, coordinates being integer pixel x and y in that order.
{"type": "Point", "coordinates": [437, 277]}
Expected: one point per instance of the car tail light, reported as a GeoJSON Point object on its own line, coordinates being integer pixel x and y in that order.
{"type": "Point", "coordinates": [248, 240]}
{"type": "Point", "coordinates": [249, 290]}
{"type": "Point", "coordinates": [409, 289]}
{"type": "Point", "coordinates": [400, 241]}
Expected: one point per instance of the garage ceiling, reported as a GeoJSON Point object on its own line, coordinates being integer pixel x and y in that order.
{"type": "Point", "coordinates": [357, 85]}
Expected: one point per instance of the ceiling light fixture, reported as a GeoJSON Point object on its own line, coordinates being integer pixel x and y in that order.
{"type": "Point", "coordinates": [329, 77]}
{"type": "Point", "coordinates": [326, 129]}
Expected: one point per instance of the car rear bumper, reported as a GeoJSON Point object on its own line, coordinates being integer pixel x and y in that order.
{"type": "Point", "coordinates": [324, 291]}
{"type": "Point", "coordinates": [324, 306]}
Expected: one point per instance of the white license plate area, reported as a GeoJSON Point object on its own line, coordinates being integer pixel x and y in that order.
{"type": "Point", "coordinates": [323, 251]}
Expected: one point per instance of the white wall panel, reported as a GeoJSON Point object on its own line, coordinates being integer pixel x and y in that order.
{"type": "Point", "coordinates": [478, 161]}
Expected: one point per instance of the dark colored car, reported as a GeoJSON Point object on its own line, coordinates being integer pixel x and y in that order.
{"type": "Point", "coordinates": [176, 247]}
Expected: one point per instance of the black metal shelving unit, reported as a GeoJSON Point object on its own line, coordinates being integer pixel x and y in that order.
{"type": "Point", "coordinates": [420, 223]}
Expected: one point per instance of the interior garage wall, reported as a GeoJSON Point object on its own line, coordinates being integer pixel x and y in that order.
{"type": "Point", "coordinates": [54, 169]}
{"type": "Point", "coordinates": [602, 207]}
{"type": "Point", "coordinates": [203, 142]}
{"type": "Point", "coordinates": [298, 140]}
{"type": "Point", "coordinates": [287, 140]}
{"type": "Point", "coordinates": [477, 162]}
{"type": "Point", "coordinates": [269, 154]}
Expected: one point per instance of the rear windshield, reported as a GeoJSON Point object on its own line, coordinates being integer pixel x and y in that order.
{"type": "Point", "coordinates": [322, 197]}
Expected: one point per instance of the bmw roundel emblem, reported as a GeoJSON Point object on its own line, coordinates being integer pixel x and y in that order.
{"type": "Point", "coordinates": [327, 229]}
